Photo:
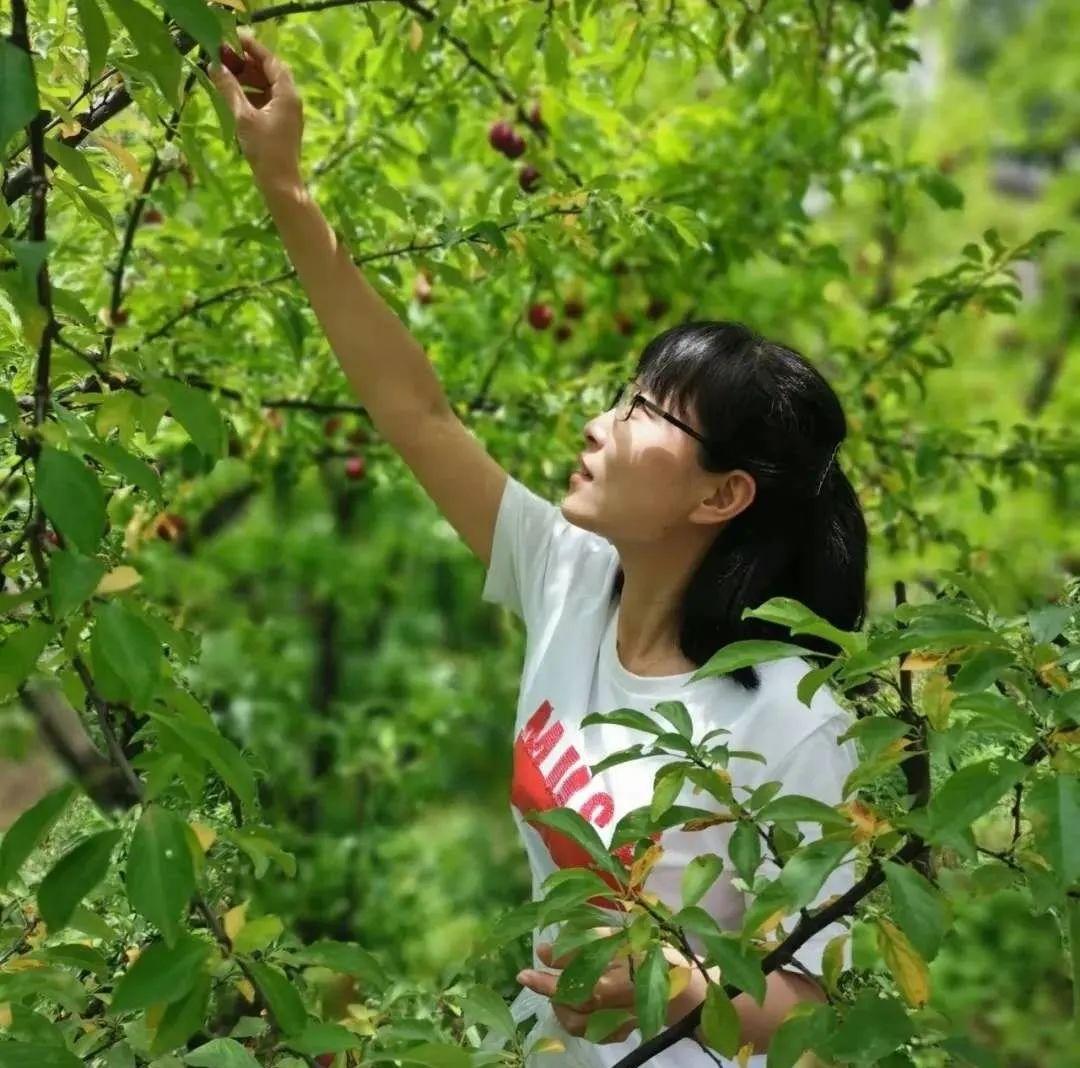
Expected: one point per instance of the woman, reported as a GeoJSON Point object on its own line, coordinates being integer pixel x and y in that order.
{"type": "Point", "coordinates": [709, 486]}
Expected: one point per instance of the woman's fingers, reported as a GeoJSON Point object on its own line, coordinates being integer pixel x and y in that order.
{"type": "Point", "coordinates": [229, 87]}
{"type": "Point", "coordinates": [274, 69]}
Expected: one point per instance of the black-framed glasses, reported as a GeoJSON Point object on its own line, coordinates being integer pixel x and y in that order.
{"type": "Point", "coordinates": [627, 399]}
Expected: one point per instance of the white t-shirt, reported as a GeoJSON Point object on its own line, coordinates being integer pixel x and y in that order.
{"type": "Point", "coordinates": [558, 578]}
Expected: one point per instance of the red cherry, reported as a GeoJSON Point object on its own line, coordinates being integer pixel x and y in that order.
{"type": "Point", "coordinates": [500, 135]}
{"type": "Point", "coordinates": [120, 316]}
{"type": "Point", "coordinates": [515, 146]}
{"type": "Point", "coordinates": [534, 116]}
{"type": "Point", "coordinates": [332, 425]}
{"type": "Point", "coordinates": [52, 537]}
{"type": "Point", "coordinates": [152, 216]}
{"type": "Point", "coordinates": [563, 332]}
{"type": "Point", "coordinates": [573, 308]}
{"type": "Point", "coordinates": [231, 59]}
{"type": "Point", "coordinates": [657, 307]}
{"type": "Point", "coordinates": [540, 316]}
{"type": "Point", "coordinates": [169, 526]}
{"type": "Point", "coordinates": [624, 323]}
{"type": "Point", "coordinates": [355, 467]}
{"type": "Point", "coordinates": [324, 1060]}
{"type": "Point", "coordinates": [528, 177]}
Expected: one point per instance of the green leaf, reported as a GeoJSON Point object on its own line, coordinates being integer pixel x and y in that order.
{"type": "Point", "coordinates": [261, 850]}
{"type": "Point", "coordinates": [128, 649]}
{"type": "Point", "coordinates": [871, 1029]}
{"type": "Point", "coordinates": [73, 876]}
{"type": "Point", "coordinates": [720, 1023]}
{"type": "Point", "coordinates": [743, 654]}
{"type": "Point", "coordinates": [160, 875]}
{"type": "Point", "coordinates": [161, 973]}
{"type": "Point", "coordinates": [221, 1053]}
{"type": "Point", "coordinates": [281, 997]}
{"type": "Point", "coordinates": [918, 907]}
{"type": "Point", "coordinates": [207, 744]}
{"type": "Point", "coordinates": [667, 785]}
{"type": "Point", "coordinates": [196, 412]}
{"type": "Point", "coordinates": [945, 192]}
{"type": "Point", "coordinates": [183, 1017]}
{"type": "Point", "coordinates": [675, 713]}
{"type": "Point", "coordinates": [72, 498]}
{"type": "Point", "coordinates": [1057, 800]}
{"type": "Point", "coordinates": [575, 827]}
{"type": "Point", "coordinates": [19, 654]}
{"type": "Point", "coordinates": [790, 613]}
{"type": "Point", "coordinates": [257, 934]}
{"type": "Point", "coordinates": [321, 1037]}
{"type": "Point", "coordinates": [198, 20]}
{"type": "Point", "coordinates": [96, 34]}
{"type": "Point", "coordinates": [23, 836]}
{"type": "Point", "coordinates": [157, 55]}
{"type": "Point", "coordinates": [651, 992]}
{"type": "Point", "coordinates": [796, 807]}
{"type": "Point", "coordinates": [72, 579]}
{"type": "Point", "coordinates": [35, 1054]}
{"type": "Point", "coordinates": [806, 870]}
{"type": "Point", "coordinates": [483, 1006]}
{"type": "Point", "coordinates": [603, 1022]}
{"type": "Point", "coordinates": [699, 875]}
{"type": "Point", "coordinates": [18, 90]}
{"type": "Point", "coordinates": [74, 955]}
{"type": "Point", "coordinates": [624, 717]}
{"type": "Point", "coordinates": [744, 849]}
{"type": "Point", "coordinates": [73, 161]}
{"type": "Point", "coordinates": [577, 980]}
{"type": "Point", "coordinates": [971, 792]}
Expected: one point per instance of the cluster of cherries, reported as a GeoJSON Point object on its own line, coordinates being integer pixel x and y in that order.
{"type": "Point", "coordinates": [505, 139]}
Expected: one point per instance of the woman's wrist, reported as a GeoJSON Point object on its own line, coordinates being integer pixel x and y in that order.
{"type": "Point", "coordinates": [279, 186]}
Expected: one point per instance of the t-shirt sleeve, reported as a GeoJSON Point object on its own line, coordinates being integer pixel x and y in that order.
{"type": "Point", "coordinates": [817, 767]}
{"type": "Point", "coordinates": [536, 555]}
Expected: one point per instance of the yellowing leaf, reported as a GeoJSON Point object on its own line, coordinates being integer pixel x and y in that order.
{"type": "Point", "coordinates": [416, 35]}
{"type": "Point", "coordinates": [24, 964]}
{"type": "Point", "coordinates": [920, 661]}
{"type": "Point", "coordinates": [639, 870]}
{"type": "Point", "coordinates": [5, 1015]}
{"type": "Point", "coordinates": [678, 980]}
{"type": "Point", "coordinates": [234, 920]}
{"type": "Point", "coordinates": [744, 1054]}
{"type": "Point", "coordinates": [548, 1045]}
{"type": "Point", "coordinates": [245, 988]}
{"type": "Point", "coordinates": [121, 155]}
{"type": "Point", "coordinates": [832, 961]}
{"type": "Point", "coordinates": [206, 835]}
{"type": "Point", "coordinates": [908, 968]}
{"type": "Point", "coordinates": [154, 1014]}
{"type": "Point", "coordinates": [120, 578]}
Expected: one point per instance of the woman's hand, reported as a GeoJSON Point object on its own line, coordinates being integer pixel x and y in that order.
{"type": "Point", "coordinates": [269, 122]}
{"type": "Point", "coordinates": [613, 990]}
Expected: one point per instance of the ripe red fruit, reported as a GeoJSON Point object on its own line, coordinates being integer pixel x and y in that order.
{"type": "Point", "coordinates": [152, 216]}
{"type": "Point", "coordinates": [500, 135]}
{"type": "Point", "coordinates": [325, 1060]}
{"type": "Point", "coordinates": [563, 332]}
{"type": "Point", "coordinates": [528, 177]}
{"type": "Point", "coordinates": [657, 307]}
{"type": "Point", "coordinates": [332, 425]}
{"type": "Point", "coordinates": [355, 467]}
{"type": "Point", "coordinates": [540, 316]}
{"type": "Point", "coordinates": [515, 147]}
{"type": "Point", "coordinates": [573, 308]}
{"type": "Point", "coordinates": [624, 324]}
{"type": "Point", "coordinates": [120, 316]}
{"type": "Point", "coordinates": [231, 59]}
{"type": "Point", "coordinates": [52, 537]}
{"type": "Point", "coordinates": [534, 116]}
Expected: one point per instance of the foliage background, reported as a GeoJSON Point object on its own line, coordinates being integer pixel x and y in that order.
{"type": "Point", "coordinates": [344, 644]}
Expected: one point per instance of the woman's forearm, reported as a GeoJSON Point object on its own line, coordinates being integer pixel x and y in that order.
{"type": "Point", "coordinates": [783, 990]}
{"type": "Point", "coordinates": [385, 365]}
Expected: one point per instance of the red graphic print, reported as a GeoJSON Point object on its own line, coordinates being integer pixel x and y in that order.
{"type": "Point", "coordinates": [568, 777]}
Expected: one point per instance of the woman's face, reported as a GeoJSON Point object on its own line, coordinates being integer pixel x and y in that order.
{"type": "Point", "coordinates": [646, 479]}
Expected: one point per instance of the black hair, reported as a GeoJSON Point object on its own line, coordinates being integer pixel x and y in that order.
{"type": "Point", "coordinates": [765, 409]}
